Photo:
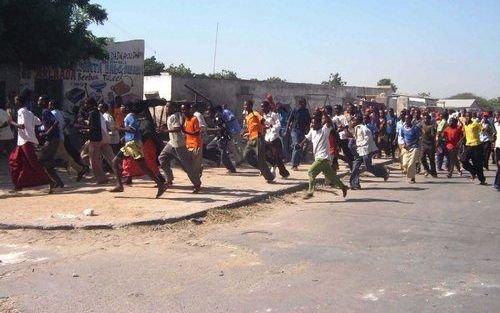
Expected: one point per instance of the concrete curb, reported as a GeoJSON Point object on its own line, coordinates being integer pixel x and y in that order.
{"type": "Point", "coordinates": [170, 220]}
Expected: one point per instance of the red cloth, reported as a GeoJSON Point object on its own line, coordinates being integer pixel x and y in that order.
{"type": "Point", "coordinates": [24, 168]}
{"type": "Point", "coordinates": [131, 168]}
{"type": "Point", "coordinates": [331, 138]}
{"type": "Point", "coordinates": [452, 136]}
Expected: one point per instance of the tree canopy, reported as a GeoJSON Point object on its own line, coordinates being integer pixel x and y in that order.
{"type": "Point", "coordinates": [180, 70]}
{"type": "Point", "coordinates": [275, 79]}
{"type": "Point", "coordinates": [49, 32]}
{"type": "Point", "coordinates": [224, 74]}
{"type": "Point", "coordinates": [387, 82]}
{"type": "Point", "coordinates": [153, 67]}
{"type": "Point", "coordinates": [335, 80]}
{"type": "Point", "coordinates": [424, 94]}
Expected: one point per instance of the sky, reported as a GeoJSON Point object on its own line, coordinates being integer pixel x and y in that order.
{"type": "Point", "coordinates": [443, 47]}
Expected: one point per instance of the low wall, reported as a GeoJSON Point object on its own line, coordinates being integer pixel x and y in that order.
{"type": "Point", "coordinates": [232, 93]}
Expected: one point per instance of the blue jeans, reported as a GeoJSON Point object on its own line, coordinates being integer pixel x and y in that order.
{"type": "Point", "coordinates": [297, 137]}
{"type": "Point", "coordinates": [285, 140]}
{"type": "Point", "coordinates": [441, 155]}
{"type": "Point", "coordinates": [377, 170]}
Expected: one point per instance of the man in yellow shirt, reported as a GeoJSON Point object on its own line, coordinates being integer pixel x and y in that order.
{"type": "Point", "coordinates": [255, 153]}
{"type": "Point", "coordinates": [473, 149]}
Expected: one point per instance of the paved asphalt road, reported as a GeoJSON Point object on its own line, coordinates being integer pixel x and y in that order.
{"type": "Point", "coordinates": [391, 247]}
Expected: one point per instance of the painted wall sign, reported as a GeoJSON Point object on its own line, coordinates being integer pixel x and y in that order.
{"type": "Point", "coordinates": [122, 74]}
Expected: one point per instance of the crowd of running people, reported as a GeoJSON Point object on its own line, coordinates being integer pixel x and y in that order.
{"type": "Point", "coordinates": [124, 140]}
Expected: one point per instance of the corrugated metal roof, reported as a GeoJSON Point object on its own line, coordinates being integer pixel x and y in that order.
{"type": "Point", "coordinates": [456, 103]}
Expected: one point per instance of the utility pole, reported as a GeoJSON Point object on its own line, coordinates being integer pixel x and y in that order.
{"type": "Point", "coordinates": [215, 48]}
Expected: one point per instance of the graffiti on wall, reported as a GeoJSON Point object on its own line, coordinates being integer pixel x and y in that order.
{"type": "Point", "coordinates": [122, 74]}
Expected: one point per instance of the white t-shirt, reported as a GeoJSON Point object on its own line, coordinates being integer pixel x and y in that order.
{"type": "Point", "coordinates": [5, 132]}
{"type": "Point", "coordinates": [201, 120]}
{"type": "Point", "coordinates": [177, 139]}
{"type": "Point", "coordinates": [341, 120]}
{"type": "Point", "coordinates": [321, 142]}
{"type": "Point", "coordinates": [399, 125]}
{"type": "Point", "coordinates": [497, 128]}
{"type": "Point", "coordinates": [273, 132]}
{"type": "Point", "coordinates": [364, 140]}
{"type": "Point", "coordinates": [30, 121]}
{"type": "Point", "coordinates": [106, 138]}
{"type": "Point", "coordinates": [114, 136]}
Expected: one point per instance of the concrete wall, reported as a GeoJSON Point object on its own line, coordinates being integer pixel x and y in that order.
{"type": "Point", "coordinates": [121, 74]}
{"type": "Point", "coordinates": [9, 77]}
{"type": "Point", "coordinates": [232, 93]}
{"type": "Point", "coordinates": [158, 84]}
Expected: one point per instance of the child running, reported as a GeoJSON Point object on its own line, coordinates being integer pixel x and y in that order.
{"type": "Point", "coordinates": [319, 134]}
{"type": "Point", "coordinates": [133, 149]}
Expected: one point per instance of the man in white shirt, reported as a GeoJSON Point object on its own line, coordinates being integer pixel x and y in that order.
{"type": "Point", "coordinates": [176, 149]}
{"type": "Point", "coordinates": [6, 136]}
{"type": "Point", "coordinates": [24, 167]}
{"type": "Point", "coordinates": [272, 137]}
{"type": "Point", "coordinates": [319, 134]}
{"type": "Point", "coordinates": [401, 143]}
{"type": "Point", "coordinates": [109, 122]}
{"type": "Point", "coordinates": [340, 120]}
{"type": "Point", "coordinates": [365, 147]}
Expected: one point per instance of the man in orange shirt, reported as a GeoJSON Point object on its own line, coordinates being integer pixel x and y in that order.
{"type": "Point", "coordinates": [255, 153]}
{"type": "Point", "coordinates": [194, 143]}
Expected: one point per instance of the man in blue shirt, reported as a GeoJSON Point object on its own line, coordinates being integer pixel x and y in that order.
{"type": "Point", "coordinates": [133, 147]}
{"type": "Point", "coordinates": [299, 124]}
{"type": "Point", "coordinates": [391, 132]}
{"type": "Point", "coordinates": [49, 149]}
{"type": "Point", "coordinates": [234, 127]}
{"type": "Point", "coordinates": [410, 134]}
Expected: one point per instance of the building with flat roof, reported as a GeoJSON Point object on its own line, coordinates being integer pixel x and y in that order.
{"type": "Point", "coordinates": [458, 104]}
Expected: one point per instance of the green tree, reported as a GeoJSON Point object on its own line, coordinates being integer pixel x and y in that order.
{"type": "Point", "coordinates": [387, 82]}
{"type": "Point", "coordinates": [180, 70]}
{"type": "Point", "coordinates": [275, 79]}
{"type": "Point", "coordinates": [335, 80]}
{"type": "Point", "coordinates": [52, 32]}
{"type": "Point", "coordinates": [495, 103]}
{"type": "Point", "coordinates": [153, 67]}
{"type": "Point", "coordinates": [224, 74]}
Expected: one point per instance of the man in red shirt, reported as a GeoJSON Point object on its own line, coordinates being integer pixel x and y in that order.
{"type": "Point", "coordinates": [453, 134]}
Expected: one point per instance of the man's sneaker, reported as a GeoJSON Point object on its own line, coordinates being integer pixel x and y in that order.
{"type": "Point", "coordinates": [80, 175]}
{"type": "Point", "coordinates": [307, 196]}
{"type": "Point", "coordinates": [161, 189]}
{"type": "Point", "coordinates": [196, 189]}
{"type": "Point", "coordinates": [117, 189]}
{"type": "Point", "coordinates": [295, 168]}
{"type": "Point", "coordinates": [344, 191]}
